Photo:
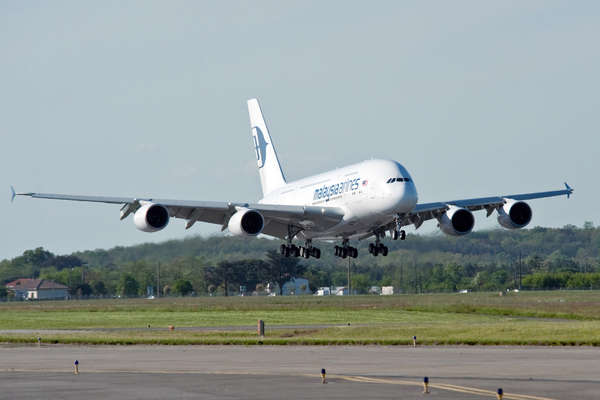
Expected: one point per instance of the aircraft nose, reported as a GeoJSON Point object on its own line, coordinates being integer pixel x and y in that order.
{"type": "Point", "coordinates": [409, 198]}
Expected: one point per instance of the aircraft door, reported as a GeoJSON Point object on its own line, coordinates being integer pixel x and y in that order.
{"type": "Point", "coordinates": [374, 185]}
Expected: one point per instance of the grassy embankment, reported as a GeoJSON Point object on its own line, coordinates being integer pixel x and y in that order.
{"type": "Point", "coordinates": [473, 318]}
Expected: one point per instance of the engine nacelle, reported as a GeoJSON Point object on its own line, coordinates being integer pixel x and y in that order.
{"type": "Point", "coordinates": [515, 214]}
{"type": "Point", "coordinates": [457, 221]}
{"type": "Point", "coordinates": [246, 222]}
{"type": "Point", "coordinates": [151, 217]}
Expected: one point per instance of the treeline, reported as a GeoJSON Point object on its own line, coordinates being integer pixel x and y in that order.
{"type": "Point", "coordinates": [535, 258]}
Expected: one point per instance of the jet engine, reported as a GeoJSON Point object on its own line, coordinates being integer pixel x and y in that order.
{"type": "Point", "coordinates": [457, 221]}
{"type": "Point", "coordinates": [151, 217]}
{"type": "Point", "coordinates": [514, 214]}
{"type": "Point", "coordinates": [246, 222]}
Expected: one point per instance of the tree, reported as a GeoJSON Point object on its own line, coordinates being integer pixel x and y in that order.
{"type": "Point", "coordinates": [127, 285]}
{"type": "Point", "coordinates": [361, 283]}
{"type": "Point", "coordinates": [224, 274]}
{"type": "Point", "coordinates": [99, 288]}
{"type": "Point", "coordinates": [83, 289]}
{"type": "Point", "coordinates": [279, 269]}
{"type": "Point", "coordinates": [61, 262]}
{"type": "Point", "coordinates": [183, 287]}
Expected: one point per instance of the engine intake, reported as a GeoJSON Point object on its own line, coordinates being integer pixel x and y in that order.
{"type": "Point", "coordinates": [151, 217]}
{"type": "Point", "coordinates": [514, 215]}
{"type": "Point", "coordinates": [246, 222]}
{"type": "Point", "coordinates": [457, 221]}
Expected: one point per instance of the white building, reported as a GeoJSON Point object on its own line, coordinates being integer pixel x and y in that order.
{"type": "Point", "coordinates": [387, 290]}
{"type": "Point", "coordinates": [293, 286]}
{"type": "Point", "coordinates": [323, 291]}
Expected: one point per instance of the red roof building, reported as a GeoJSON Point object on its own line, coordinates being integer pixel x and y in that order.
{"type": "Point", "coordinates": [37, 289]}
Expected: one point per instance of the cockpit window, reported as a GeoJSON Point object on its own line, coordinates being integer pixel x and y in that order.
{"type": "Point", "coordinates": [400, 179]}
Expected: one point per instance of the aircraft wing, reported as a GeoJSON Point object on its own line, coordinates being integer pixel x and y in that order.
{"type": "Point", "coordinates": [277, 217]}
{"type": "Point", "coordinates": [427, 211]}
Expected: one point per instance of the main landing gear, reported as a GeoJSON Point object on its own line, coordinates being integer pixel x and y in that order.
{"type": "Point", "coordinates": [292, 250]}
{"type": "Point", "coordinates": [345, 250]}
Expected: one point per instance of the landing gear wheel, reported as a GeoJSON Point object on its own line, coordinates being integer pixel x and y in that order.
{"type": "Point", "coordinates": [317, 253]}
{"type": "Point", "coordinates": [354, 252]}
{"type": "Point", "coordinates": [282, 249]}
{"type": "Point", "coordinates": [375, 251]}
{"type": "Point", "coordinates": [402, 235]}
{"type": "Point", "coordinates": [295, 251]}
{"type": "Point", "coordinates": [287, 251]}
{"type": "Point", "coordinates": [371, 248]}
{"type": "Point", "coordinates": [395, 235]}
{"type": "Point", "coordinates": [384, 251]}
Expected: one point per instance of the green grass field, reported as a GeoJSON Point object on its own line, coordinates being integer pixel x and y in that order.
{"type": "Point", "coordinates": [539, 318]}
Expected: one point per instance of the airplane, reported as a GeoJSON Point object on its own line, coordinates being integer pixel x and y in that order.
{"type": "Point", "coordinates": [360, 201]}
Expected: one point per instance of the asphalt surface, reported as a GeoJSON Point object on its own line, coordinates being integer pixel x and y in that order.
{"type": "Point", "coordinates": [253, 372]}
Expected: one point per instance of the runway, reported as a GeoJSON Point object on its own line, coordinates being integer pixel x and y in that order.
{"type": "Point", "coordinates": [233, 372]}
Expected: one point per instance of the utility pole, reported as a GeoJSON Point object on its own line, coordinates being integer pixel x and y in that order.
{"type": "Point", "coordinates": [520, 271]}
{"type": "Point", "coordinates": [349, 288]}
{"type": "Point", "coordinates": [82, 267]}
{"type": "Point", "coordinates": [158, 279]}
{"type": "Point", "coordinates": [401, 272]}
{"type": "Point", "coordinates": [416, 286]}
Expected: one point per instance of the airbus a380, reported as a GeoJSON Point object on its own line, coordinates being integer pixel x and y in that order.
{"type": "Point", "coordinates": [360, 201]}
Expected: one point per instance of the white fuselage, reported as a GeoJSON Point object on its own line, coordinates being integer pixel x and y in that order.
{"type": "Point", "coordinates": [369, 192]}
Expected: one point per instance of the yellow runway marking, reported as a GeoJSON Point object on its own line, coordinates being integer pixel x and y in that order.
{"type": "Point", "coordinates": [363, 379]}
{"type": "Point", "coordinates": [442, 386]}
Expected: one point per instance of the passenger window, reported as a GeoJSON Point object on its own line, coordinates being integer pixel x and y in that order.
{"type": "Point", "coordinates": [389, 180]}
{"type": "Point", "coordinates": [399, 179]}
{"type": "Point", "coordinates": [406, 180]}
{"type": "Point", "coordinates": [393, 180]}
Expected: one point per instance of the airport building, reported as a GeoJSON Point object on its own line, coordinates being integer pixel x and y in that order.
{"type": "Point", "coordinates": [37, 289]}
{"type": "Point", "coordinates": [295, 286]}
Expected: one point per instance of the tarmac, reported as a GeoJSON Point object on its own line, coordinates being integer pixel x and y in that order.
{"type": "Point", "coordinates": [258, 372]}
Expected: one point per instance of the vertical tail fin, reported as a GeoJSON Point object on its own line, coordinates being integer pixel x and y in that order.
{"type": "Point", "coordinates": [271, 175]}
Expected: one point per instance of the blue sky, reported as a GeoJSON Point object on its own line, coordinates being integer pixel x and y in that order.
{"type": "Point", "coordinates": [148, 99]}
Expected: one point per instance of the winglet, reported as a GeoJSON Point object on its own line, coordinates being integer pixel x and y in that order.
{"type": "Point", "coordinates": [13, 194]}
{"type": "Point", "coordinates": [569, 189]}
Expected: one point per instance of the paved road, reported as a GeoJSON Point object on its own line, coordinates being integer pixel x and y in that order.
{"type": "Point", "coordinates": [233, 372]}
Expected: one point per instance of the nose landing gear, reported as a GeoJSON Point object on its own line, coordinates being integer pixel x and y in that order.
{"type": "Point", "coordinates": [399, 232]}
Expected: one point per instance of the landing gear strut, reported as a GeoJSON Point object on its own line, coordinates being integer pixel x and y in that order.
{"type": "Point", "coordinates": [345, 250]}
{"type": "Point", "coordinates": [378, 247]}
{"type": "Point", "coordinates": [398, 232]}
